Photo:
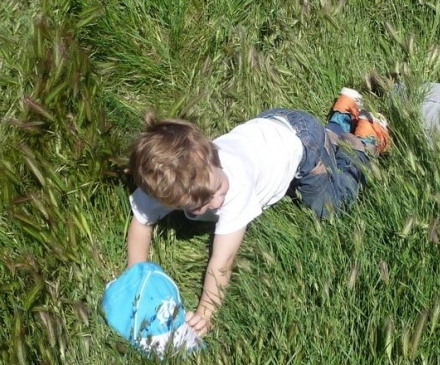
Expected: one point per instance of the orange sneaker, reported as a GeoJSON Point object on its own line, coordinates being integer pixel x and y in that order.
{"type": "Point", "coordinates": [373, 130]}
{"type": "Point", "coordinates": [349, 101]}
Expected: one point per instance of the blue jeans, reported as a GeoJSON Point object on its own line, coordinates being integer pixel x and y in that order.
{"type": "Point", "coordinates": [330, 176]}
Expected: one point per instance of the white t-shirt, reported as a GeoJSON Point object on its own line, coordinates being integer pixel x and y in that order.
{"type": "Point", "coordinates": [260, 159]}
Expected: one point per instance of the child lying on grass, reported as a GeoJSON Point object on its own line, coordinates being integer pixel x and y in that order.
{"type": "Point", "coordinates": [232, 179]}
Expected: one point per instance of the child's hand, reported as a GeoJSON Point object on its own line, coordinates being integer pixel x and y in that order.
{"type": "Point", "coordinates": [199, 323]}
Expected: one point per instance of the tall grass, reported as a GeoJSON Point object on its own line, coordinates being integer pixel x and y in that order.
{"type": "Point", "coordinates": [76, 77]}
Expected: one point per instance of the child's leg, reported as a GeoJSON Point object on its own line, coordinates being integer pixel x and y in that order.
{"type": "Point", "coordinates": [327, 181]}
{"type": "Point", "coordinates": [336, 184]}
{"type": "Point", "coordinates": [331, 172]}
{"type": "Point", "coordinates": [357, 136]}
{"type": "Point", "coordinates": [348, 117]}
{"type": "Point", "coordinates": [372, 130]}
{"type": "Point", "coordinates": [345, 112]}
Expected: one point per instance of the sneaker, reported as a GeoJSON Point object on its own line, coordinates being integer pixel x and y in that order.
{"type": "Point", "coordinates": [345, 111]}
{"type": "Point", "coordinates": [373, 131]}
{"type": "Point", "coordinates": [349, 101]}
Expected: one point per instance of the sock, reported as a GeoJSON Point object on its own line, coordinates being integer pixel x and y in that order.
{"type": "Point", "coordinates": [369, 140]}
{"type": "Point", "coordinates": [335, 128]}
{"type": "Point", "coordinates": [342, 119]}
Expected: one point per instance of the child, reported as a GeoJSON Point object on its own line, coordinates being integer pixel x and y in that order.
{"type": "Point", "coordinates": [232, 179]}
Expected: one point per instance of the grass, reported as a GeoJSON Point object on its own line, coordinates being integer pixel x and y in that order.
{"type": "Point", "coordinates": [76, 76]}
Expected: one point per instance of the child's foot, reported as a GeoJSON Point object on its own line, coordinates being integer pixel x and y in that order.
{"type": "Point", "coordinates": [349, 101]}
{"type": "Point", "coordinates": [373, 131]}
{"type": "Point", "coordinates": [345, 111]}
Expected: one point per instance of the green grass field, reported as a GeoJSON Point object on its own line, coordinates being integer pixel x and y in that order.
{"type": "Point", "coordinates": [76, 77]}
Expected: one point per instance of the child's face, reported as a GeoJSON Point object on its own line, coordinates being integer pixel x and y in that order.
{"type": "Point", "coordinates": [220, 184]}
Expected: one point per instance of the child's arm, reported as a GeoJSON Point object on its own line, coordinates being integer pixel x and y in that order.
{"type": "Point", "coordinates": [217, 277]}
{"type": "Point", "coordinates": [138, 241]}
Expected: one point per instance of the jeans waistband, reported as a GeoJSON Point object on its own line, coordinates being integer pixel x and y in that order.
{"type": "Point", "coordinates": [285, 122]}
{"type": "Point", "coordinates": [281, 120]}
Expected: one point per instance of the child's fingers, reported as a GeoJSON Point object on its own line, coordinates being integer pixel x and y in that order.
{"type": "Point", "coordinates": [203, 331]}
{"type": "Point", "coordinates": [195, 321]}
{"type": "Point", "coordinates": [198, 323]}
{"type": "Point", "coordinates": [201, 327]}
{"type": "Point", "coordinates": [188, 316]}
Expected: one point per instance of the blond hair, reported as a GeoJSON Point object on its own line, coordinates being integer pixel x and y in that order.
{"type": "Point", "coordinates": [172, 160]}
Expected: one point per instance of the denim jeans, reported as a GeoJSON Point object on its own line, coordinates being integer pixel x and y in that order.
{"type": "Point", "coordinates": [330, 176]}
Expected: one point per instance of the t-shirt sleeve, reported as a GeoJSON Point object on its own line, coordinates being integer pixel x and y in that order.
{"type": "Point", "coordinates": [146, 209]}
{"type": "Point", "coordinates": [239, 211]}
